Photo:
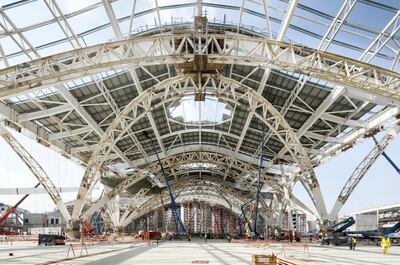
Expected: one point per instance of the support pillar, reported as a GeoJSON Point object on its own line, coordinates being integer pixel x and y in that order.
{"type": "Point", "coordinates": [74, 228]}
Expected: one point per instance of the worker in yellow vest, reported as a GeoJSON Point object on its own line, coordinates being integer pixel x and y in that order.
{"type": "Point", "coordinates": [385, 244]}
{"type": "Point", "coordinates": [353, 242]}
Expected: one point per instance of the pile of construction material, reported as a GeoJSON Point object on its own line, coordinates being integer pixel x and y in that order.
{"type": "Point", "coordinates": [269, 260]}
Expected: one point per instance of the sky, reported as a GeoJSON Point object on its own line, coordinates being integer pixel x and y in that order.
{"type": "Point", "coordinates": [380, 185]}
{"type": "Point", "coordinates": [15, 174]}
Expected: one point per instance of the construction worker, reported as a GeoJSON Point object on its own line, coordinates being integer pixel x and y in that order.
{"type": "Point", "coordinates": [354, 242]}
{"type": "Point", "coordinates": [350, 242]}
{"type": "Point", "coordinates": [385, 244]}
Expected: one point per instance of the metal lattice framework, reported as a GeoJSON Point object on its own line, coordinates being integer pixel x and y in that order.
{"type": "Point", "coordinates": [178, 48]}
{"type": "Point", "coordinates": [37, 171]}
{"type": "Point", "coordinates": [225, 89]}
{"type": "Point", "coordinates": [325, 102]}
{"type": "Point", "coordinates": [229, 166]}
{"type": "Point", "coordinates": [361, 170]}
{"type": "Point", "coordinates": [192, 189]}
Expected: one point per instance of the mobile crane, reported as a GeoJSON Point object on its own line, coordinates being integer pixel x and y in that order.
{"type": "Point", "coordinates": [338, 236]}
{"type": "Point", "coordinates": [9, 211]}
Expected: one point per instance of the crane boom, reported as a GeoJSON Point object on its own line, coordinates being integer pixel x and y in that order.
{"type": "Point", "coordinates": [345, 224]}
{"type": "Point", "coordinates": [10, 210]}
{"type": "Point", "coordinates": [37, 171]}
{"type": "Point", "coordinates": [393, 229]}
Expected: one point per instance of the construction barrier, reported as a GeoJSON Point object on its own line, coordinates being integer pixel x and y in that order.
{"type": "Point", "coordinates": [270, 260]}
{"type": "Point", "coordinates": [76, 246]}
{"type": "Point", "coordinates": [21, 237]}
{"type": "Point", "coordinates": [4, 240]}
{"type": "Point", "coordinates": [252, 241]}
{"type": "Point", "coordinates": [305, 248]}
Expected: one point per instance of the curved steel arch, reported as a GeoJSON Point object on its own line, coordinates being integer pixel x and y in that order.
{"type": "Point", "coordinates": [154, 202]}
{"type": "Point", "coordinates": [176, 48]}
{"type": "Point", "coordinates": [225, 89]}
{"type": "Point", "coordinates": [170, 165]}
{"type": "Point", "coordinates": [231, 194]}
{"type": "Point", "coordinates": [224, 165]}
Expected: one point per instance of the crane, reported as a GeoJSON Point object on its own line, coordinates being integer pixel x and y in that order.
{"type": "Point", "coordinates": [392, 230]}
{"type": "Point", "coordinates": [391, 162]}
{"type": "Point", "coordinates": [256, 235]}
{"type": "Point", "coordinates": [36, 170]}
{"type": "Point", "coordinates": [345, 224]}
{"type": "Point", "coordinates": [10, 210]}
{"type": "Point", "coordinates": [336, 235]}
{"type": "Point", "coordinates": [180, 228]}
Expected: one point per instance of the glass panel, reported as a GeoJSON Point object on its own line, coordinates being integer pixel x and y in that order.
{"type": "Point", "coordinates": [41, 36]}
{"type": "Point", "coordinates": [89, 20]}
{"type": "Point", "coordinates": [29, 14]}
{"type": "Point", "coordinates": [211, 111]}
{"type": "Point", "coordinates": [69, 6]}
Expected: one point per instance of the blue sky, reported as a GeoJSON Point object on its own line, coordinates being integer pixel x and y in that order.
{"type": "Point", "coordinates": [379, 187]}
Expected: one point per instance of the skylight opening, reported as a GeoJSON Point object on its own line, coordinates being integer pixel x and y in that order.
{"type": "Point", "coordinates": [37, 94]}
{"type": "Point", "coordinates": [211, 111]}
{"type": "Point", "coordinates": [198, 166]}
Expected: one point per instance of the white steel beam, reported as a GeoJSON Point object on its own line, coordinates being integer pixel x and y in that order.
{"type": "Point", "coordinates": [88, 119]}
{"type": "Point", "coordinates": [132, 71]}
{"type": "Point", "coordinates": [37, 171]}
{"type": "Point", "coordinates": [322, 138]}
{"type": "Point", "coordinates": [286, 21]}
{"type": "Point", "coordinates": [60, 135]}
{"type": "Point", "coordinates": [133, 205]}
{"type": "Point", "coordinates": [225, 87]}
{"type": "Point", "coordinates": [112, 18]}
{"type": "Point", "coordinates": [337, 24]}
{"type": "Point", "coordinates": [267, 71]}
{"type": "Point", "coordinates": [328, 101]}
{"type": "Point", "coordinates": [382, 39]}
{"type": "Point", "coordinates": [325, 66]}
{"type": "Point", "coordinates": [343, 121]}
{"type": "Point", "coordinates": [44, 113]}
{"type": "Point", "coordinates": [40, 135]}
{"type": "Point", "coordinates": [112, 193]}
{"type": "Point", "coordinates": [378, 120]}
{"type": "Point", "coordinates": [361, 170]}
{"type": "Point", "coordinates": [38, 190]}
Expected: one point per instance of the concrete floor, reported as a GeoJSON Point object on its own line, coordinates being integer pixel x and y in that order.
{"type": "Point", "coordinates": [183, 252]}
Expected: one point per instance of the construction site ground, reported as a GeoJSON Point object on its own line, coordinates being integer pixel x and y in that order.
{"type": "Point", "coordinates": [196, 251]}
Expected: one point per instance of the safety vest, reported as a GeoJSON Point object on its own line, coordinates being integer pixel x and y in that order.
{"type": "Point", "coordinates": [387, 242]}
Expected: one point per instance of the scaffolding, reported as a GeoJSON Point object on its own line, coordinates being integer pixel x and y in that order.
{"type": "Point", "coordinates": [198, 217]}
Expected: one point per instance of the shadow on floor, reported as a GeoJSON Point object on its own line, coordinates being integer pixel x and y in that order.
{"type": "Point", "coordinates": [121, 257]}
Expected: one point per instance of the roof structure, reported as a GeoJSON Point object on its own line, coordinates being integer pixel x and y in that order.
{"type": "Point", "coordinates": [93, 79]}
